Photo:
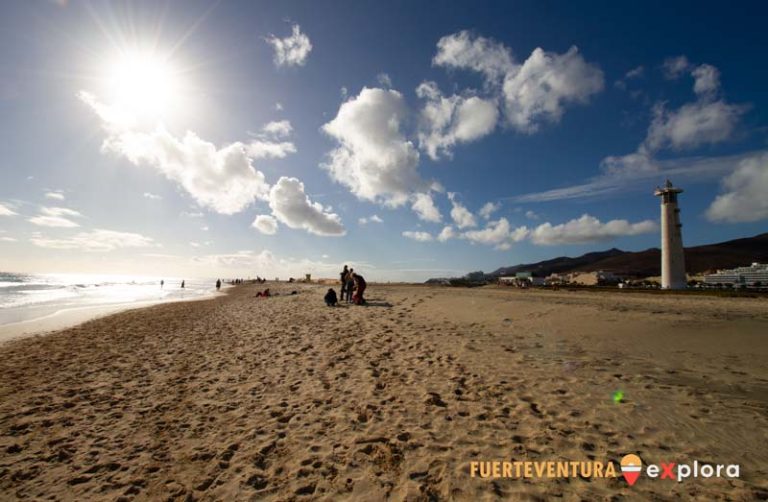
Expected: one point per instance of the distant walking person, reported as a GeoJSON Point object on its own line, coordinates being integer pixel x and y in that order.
{"type": "Point", "coordinates": [162, 283]}
{"type": "Point", "coordinates": [218, 284]}
{"type": "Point", "coordinates": [182, 284]}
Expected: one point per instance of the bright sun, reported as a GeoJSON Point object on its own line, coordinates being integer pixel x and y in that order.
{"type": "Point", "coordinates": [143, 83]}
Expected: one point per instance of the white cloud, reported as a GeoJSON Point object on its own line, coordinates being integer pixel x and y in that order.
{"type": "Point", "coordinates": [204, 228]}
{"type": "Point", "coordinates": [706, 79]}
{"type": "Point", "coordinates": [374, 160]}
{"type": "Point", "coordinates": [463, 50]}
{"type": "Point", "coordinates": [460, 214]}
{"type": "Point", "coordinates": [745, 196]}
{"type": "Point", "coordinates": [372, 219]}
{"type": "Point", "coordinates": [488, 209]}
{"type": "Point", "coordinates": [588, 229]}
{"type": "Point", "coordinates": [96, 241]}
{"type": "Point", "coordinates": [278, 106]}
{"type": "Point", "coordinates": [540, 89]}
{"type": "Point", "coordinates": [635, 72]}
{"type": "Point", "coordinates": [630, 164]}
{"type": "Point", "coordinates": [501, 235]}
{"type": "Point", "coordinates": [693, 125]}
{"type": "Point", "coordinates": [446, 121]}
{"type": "Point", "coordinates": [447, 233]}
{"type": "Point", "coordinates": [59, 211]}
{"type": "Point", "coordinates": [152, 196]}
{"type": "Point", "coordinates": [418, 236]}
{"type": "Point", "coordinates": [533, 92]}
{"type": "Point", "coordinates": [8, 239]}
{"type": "Point", "coordinates": [265, 224]}
{"type": "Point", "coordinates": [292, 50]}
{"type": "Point", "coordinates": [706, 121]}
{"type": "Point", "coordinates": [384, 80]}
{"type": "Point", "coordinates": [278, 129]}
{"type": "Point", "coordinates": [223, 179]}
{"type": "Point", "coordinates": [291, 206]}
{"type": "Point", "coordinates": [54, 194]}
{"type": "Point", "coordinates": [266, 264]}
{"type": "Point", "coordinates": [675, 67]}
{"type": "Point", "coordinates": [531, 215]}
{"type": "Point", "coordinates": [6, 211]}
{"type": "Point", "coordinates": [690, 169]}
{"type": "Point", "coordinates": [496, 233]}
{"type": "Point", "coordinates": [519, 234]}
{"type": "Point", "coordinates": [424, 207]}
{"type": "Point", "coordinates": [260, 263]}
{"type": "Point", "coordinates": [55, 217]}
{"type": "Point", "coordinates": [270, 149]}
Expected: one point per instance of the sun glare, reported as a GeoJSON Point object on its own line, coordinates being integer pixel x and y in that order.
{"type": "Point", "coordinates": [143, 83]}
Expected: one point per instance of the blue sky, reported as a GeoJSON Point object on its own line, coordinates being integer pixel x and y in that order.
{"type": "Point", "coordinates": [410, 139]}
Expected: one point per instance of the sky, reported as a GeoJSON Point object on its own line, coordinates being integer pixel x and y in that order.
{"type": "Point", "coordinates": [408, 139]}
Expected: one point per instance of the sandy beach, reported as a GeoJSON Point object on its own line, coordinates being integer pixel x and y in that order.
{"type": "Point", "coordinates": [238, 398]}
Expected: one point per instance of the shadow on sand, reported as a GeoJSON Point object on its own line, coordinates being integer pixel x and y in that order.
{"type": "Point", "coordinates": [377, 303]}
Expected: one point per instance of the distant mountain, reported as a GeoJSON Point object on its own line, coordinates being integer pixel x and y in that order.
{"type": "Point", "coordinates": [698, 259]}
{"type": "Point", "coordinates": [559, 265]}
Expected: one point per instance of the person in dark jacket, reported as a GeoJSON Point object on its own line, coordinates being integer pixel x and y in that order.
{"type": "Point", "coordinates": [360, 286]}
{"type": "Point", "coordinates": [330, 298]}
{"type": "Point", "coordinates": [344, 280]}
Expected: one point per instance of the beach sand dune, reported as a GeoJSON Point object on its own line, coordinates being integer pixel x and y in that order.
{"type": "Point", "coordinates": [239, 398]}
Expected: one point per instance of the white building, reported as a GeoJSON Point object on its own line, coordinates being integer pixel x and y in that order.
{"type": "Point", "coordinates": [754, 275]}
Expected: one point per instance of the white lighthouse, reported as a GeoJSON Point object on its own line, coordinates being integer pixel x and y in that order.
{"type": "Point", "coordinates": [672, 255]}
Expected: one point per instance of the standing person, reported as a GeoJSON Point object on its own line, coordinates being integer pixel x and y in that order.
{"type": "Point", "coordinates": [350, 284]}
{"type": "Point", "coordinates": [162, 283]}
{"type": "Point", "coordinates": [361, 285]}
{"type": "Point", "coordinates": [182, 284]}
{"type": "Point", "coordinates": [218, 284]}
{"type": "Point", "coordinates": [344, 281]}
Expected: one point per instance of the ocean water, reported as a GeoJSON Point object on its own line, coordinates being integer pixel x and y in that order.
{"type": "Point", "coordinates": [27, 297]}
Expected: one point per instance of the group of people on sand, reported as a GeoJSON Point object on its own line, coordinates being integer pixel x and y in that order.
{"type": "Point", "coordinates": [352, 289]}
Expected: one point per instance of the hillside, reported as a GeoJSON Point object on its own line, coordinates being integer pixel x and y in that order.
{"type": "Point", "coordinates": [698, 259]}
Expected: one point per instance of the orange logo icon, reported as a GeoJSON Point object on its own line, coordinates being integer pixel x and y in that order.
{"type": "Point", "coordinates": [631, 466]}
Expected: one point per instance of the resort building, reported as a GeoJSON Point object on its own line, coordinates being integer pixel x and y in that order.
{"type": "Point", "coordinates": [521, 279]}
{"type": "Point", "coordinates": [755, 275]}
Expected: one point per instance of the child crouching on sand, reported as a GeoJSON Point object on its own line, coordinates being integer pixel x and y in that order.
{"type": "Point", "coordinates": [330, 298]}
